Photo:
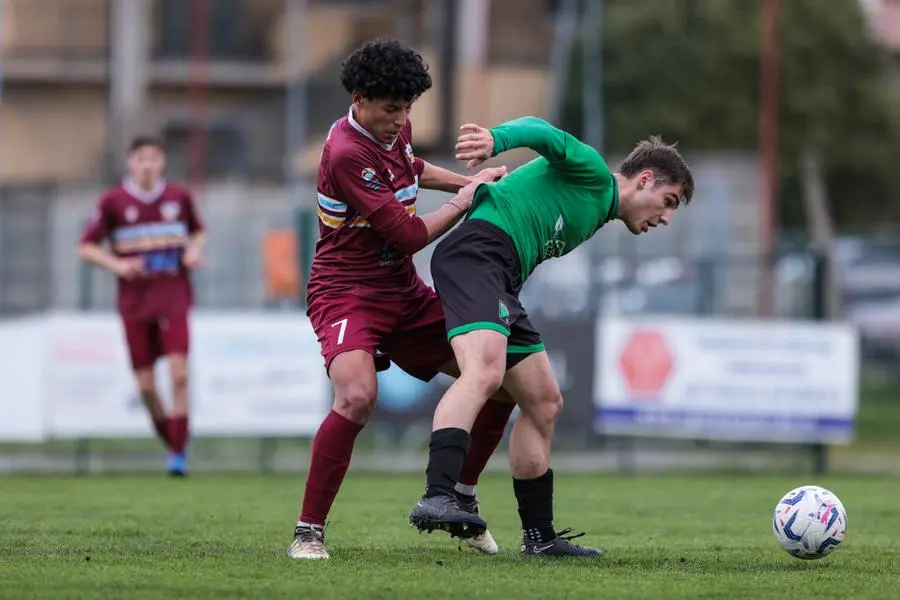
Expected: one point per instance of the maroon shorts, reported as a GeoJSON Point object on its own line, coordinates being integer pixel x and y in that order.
{"type": "Point", "coordinates": [407, 330]}
{"type": "Point", "coordinates": [149, 340]}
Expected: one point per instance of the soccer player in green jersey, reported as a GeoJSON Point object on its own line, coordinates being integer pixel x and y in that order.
{"type": "Point", "coordinates": [542, 210]}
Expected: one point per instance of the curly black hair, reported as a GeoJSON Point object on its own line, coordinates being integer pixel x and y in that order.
{"type": "Point", "coordinates": [386, 69]}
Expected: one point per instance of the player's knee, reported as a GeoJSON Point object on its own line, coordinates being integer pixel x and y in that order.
{"type": "Point", "coordinates": [552, 405]}
{"type": "Point", "coordinates": [544, 407]}
{"type": "Point", "coordinates": [146, 381]}
{"type": "Point", "coordinates": [354, 401]}
{"type": "Point", "coordinates": [178, 371]}
{"type": "Point", "coordinates": [179, 383]}
{"type": "Point", "coordinates": [486, 377]}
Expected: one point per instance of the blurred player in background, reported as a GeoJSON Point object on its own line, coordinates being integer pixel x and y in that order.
{"type": "Point", "coordinates": [542, 210]}
{"type": "Point", "coordinates": [366, 302]}
{"type": "Point", "coordinates": [156, 238]}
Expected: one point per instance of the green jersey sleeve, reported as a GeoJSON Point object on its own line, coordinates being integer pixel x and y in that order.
{"type": "Point", "coordinates": [562, 150]}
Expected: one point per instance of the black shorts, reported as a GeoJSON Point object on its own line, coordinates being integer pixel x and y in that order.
{"type": "Point", "coordinates": [476, 274]}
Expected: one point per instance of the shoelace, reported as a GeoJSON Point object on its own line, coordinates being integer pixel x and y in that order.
{"type": "Point", "coordinates": [563, 535]}
{"type": "Point", "coordinates": [310, 532]}
{"type": "Point", "coordinates": [452, 501]}
{"type": "Point", "coordinates": [470, 505]}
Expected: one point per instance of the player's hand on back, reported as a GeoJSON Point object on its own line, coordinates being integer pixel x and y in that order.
{"type": "Point", "coordinates": [464, 197]}
{"type": "Point", "coordinates": [129, 268]}
{"type": "Point", "coordinates": [475, 144]}
{"type": "Point", "coordinates": [490, 174]}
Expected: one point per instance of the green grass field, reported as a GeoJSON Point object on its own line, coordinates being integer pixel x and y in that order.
{"type": "Point", "coordinates": [225, 537]}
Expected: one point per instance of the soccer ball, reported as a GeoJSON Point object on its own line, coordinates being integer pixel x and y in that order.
{"type": "Point", "coordinates": [809, 522]}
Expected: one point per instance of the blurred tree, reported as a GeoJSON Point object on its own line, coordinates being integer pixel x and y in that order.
{"type": "Point", "coordinates": [689, 70]}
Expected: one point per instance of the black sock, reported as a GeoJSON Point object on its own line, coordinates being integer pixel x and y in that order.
{"type": "Point", "coordinates": [446, 454]}
{"type": "Point", "coordinates": [535, 497]}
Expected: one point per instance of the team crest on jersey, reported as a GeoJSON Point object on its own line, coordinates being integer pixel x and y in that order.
{"type": "Point", "coordinates": [409, 153]}
{"type": "Point", "coordinates": [371, 178]}
{"type": "Point", "coordinates": [170, 210]}
{"type": "Point", "coordinates": [555, 247]}
{"type": "Point", "coordinates": [131, 214]}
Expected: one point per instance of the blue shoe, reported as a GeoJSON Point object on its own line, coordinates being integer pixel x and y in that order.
{"type": "Point", "coordinates": [176, 466]}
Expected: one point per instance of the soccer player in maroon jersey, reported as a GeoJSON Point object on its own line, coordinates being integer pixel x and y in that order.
{"type": "Point", "coordinates": [366, 302]}
{"type": "Point", "coordinates": [156, 238]}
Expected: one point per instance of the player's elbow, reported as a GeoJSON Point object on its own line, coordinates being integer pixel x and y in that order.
{"type": "Point", "coordinates": [532, 123]}
{"type": "Point", "coordinates": [408, 246]}
{"type": "Point", "coordinates": [405, 233]}
{"type": "Point", "coordinates": [410, 238]}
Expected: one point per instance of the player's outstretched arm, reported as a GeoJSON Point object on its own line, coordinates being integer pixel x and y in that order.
{"type": "Point", "coordinates": [562, 150]}
{"type": "Point", "coordinates": [476, 144]}
{"type": "Point", "coordinates": [436, 225]}
{"type": "Point", "coordinates": [438, 178]}
{"type": "Point", "coordinates": [400, 229]}
{"type": "Point", "coordinates": [354, 180]}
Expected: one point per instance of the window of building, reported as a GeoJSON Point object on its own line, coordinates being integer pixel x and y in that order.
{"type": "Point", "coordinates": [224, 149]}
{"type": "Point", "coordinates": [231, 31]}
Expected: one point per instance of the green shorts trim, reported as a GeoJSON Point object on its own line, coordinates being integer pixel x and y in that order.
{"type": "Point", "coordinates": [475, 327]}
{"type": "Point", "coordinates": [532, 349]}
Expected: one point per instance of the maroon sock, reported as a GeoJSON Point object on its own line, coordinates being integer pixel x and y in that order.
{"type": "Point", "coordinates": [178, 433]}
{"type": "Point", "coordinates": [162, 430]}
{"type": "Point", "coordinates": [331, 452]}
{"type": "Point", "coordinates": [487, 431]}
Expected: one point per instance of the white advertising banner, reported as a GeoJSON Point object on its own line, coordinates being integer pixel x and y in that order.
{"type": "Point", "coordinates": [727, 379]}
{"type": "Point", "coordinates": [257, 374]}
{"type": "Point", "coordinates": [89, 389]}
{"type": "Point", "coordinates": [68, 375]}
{"type": "Point", "coordinates": [21, 377]}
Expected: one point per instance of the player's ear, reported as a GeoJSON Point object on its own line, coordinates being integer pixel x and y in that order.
{"type": "Point", "coordinates": [356, 98]}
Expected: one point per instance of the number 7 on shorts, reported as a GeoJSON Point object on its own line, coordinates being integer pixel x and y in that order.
{"type": "Point", "coordinates": [341, 331]}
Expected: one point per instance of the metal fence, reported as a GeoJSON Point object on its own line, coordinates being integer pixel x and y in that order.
{"type": "Point", "coordinates": [687, 269]}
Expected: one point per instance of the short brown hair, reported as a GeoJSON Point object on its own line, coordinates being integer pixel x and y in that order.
{"type": "Point", "coordinates": [143, 141]}
{"type": "Point", "coordinates": [664, 160]}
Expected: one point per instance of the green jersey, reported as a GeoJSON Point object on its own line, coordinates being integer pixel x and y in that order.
{"type": "Point", "coordinates": [552, 204]}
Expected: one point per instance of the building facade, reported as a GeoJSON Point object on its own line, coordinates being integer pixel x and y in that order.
{"type": "Point", "coordinates": [258, 77]}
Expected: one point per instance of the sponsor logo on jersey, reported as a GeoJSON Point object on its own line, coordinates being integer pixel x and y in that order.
{"type": "Point", "coordinates": [389, 257]}
{"type": "Point", "coordinates": [131, 214]}
{"type": "Point", "coordinates": [409, 153]}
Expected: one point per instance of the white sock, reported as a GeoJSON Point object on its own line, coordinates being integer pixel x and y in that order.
{"type": "Point", "coordinates": [468, 490]}
{"type": "Point", "coordinates": [302, 524]}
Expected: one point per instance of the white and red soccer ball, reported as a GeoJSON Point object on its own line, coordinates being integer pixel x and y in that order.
{"type": "Point", "coordinates": [809, 522]}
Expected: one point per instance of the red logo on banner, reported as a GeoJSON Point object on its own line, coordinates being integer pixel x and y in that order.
{"type": "Point", "coordinates": [646, 362]}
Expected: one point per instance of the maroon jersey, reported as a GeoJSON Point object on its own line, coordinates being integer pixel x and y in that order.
{"type": "Point", "coordinates": [154, 225]}
{"type": "Point", "coordinates": [366, 207]}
